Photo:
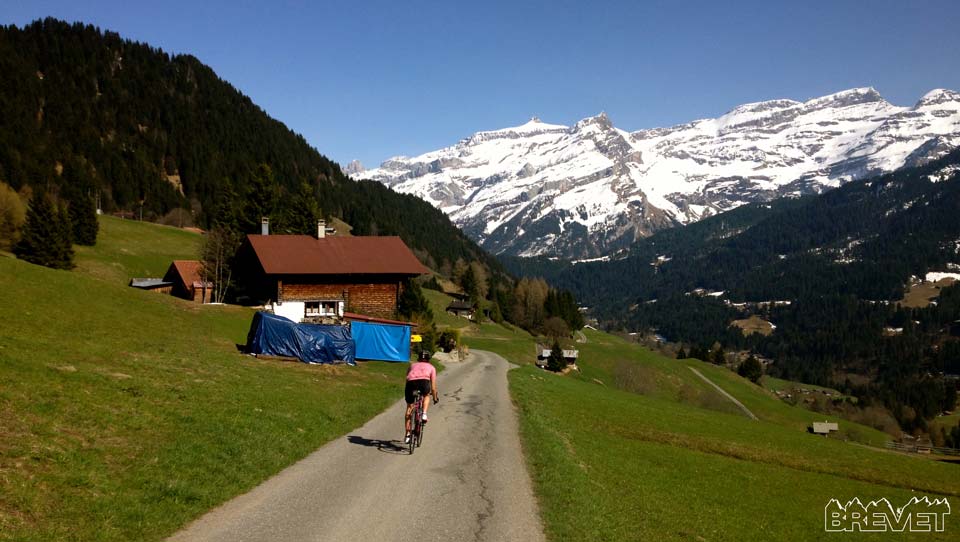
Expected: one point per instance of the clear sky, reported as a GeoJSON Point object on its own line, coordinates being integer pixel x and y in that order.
{"type": "Point", "coordinates": [372, 79]}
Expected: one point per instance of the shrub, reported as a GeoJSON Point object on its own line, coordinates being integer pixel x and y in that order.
{"type": "Point", "coordinates": [751, 369]}
{"type": "Point", "coordinates": [448, 340]}
{"type": "Point", "coordinates": [13, 213]}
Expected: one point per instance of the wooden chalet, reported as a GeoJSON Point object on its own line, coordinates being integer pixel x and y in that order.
{"type": "Point", "coordinates": [463, 309]}
{"type": "Point", "coordinates": [322, 278]}
{"type": "Point", "coordinates": [186, 281]}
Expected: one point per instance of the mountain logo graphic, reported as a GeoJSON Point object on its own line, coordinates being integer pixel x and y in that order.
{"type": "Point", "coordinates": [918, 515]}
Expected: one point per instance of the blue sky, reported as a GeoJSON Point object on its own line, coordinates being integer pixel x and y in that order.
{"type": "Point", "coordinates": [371, 79]}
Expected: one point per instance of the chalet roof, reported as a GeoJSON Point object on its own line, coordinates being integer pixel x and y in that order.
{"type": "Point", "coordinates": [188, 272]}
{"type": "Point", "coordinates": [460, 306]}
{"type": "Point", "coordinates": [306, 255]}
{"type": "Point", "coordinates": [149, 283]}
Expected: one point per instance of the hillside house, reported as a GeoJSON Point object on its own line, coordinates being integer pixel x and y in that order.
{"type": "Point", "coordinates": [569, 355]}
{"type": "Point", "coordinates": [824, 428]}
{"type": "Point", "coordinates": [463, 309]}
{"type": "Point", "coordinates": [320, 279]}
{"type": "Point", "coordinates": [185, 278]}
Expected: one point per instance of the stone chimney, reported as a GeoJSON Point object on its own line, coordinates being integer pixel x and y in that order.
{"type": "Point", "coordinates": [264, 225]}
{"type": "Point", "coordinates": [321, 228]}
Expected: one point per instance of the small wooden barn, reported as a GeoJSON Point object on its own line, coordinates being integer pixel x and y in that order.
{"type": "Point", "coordinates": [186, 279]}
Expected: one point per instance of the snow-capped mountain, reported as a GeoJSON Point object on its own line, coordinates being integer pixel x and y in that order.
{"type": "Point", "coordinates": [587, 190]}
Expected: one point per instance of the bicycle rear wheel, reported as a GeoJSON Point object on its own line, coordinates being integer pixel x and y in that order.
{"type": "Point", "coordinates": [414, 426]}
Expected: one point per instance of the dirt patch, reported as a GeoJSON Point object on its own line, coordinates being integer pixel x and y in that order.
{"type": "Point", "coordinates": [754, 324]}
{"type": "Point", "coordinates": [921, 294]}
{"type": "Point", "coordinates": [635, 378]}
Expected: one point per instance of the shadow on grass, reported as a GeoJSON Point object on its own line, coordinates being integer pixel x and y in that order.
{"type": "Point", "coordinates": [388, 446]}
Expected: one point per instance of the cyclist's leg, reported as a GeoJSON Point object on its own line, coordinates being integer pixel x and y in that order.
{"type": "Point", "coordinates": [425, 391]}
{"type": "Point", "coordinates": [406, 418]}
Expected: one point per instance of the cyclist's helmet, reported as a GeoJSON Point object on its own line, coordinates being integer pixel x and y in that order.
{"type": "Point", "coordinates": [425, 355]}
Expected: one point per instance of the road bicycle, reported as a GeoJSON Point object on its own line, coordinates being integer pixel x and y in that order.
{"type": "Point", "coordinates": [416, 422]}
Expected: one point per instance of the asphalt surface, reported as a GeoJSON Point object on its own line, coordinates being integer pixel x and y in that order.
{"type": "Point", "coordinates": [468, 481]}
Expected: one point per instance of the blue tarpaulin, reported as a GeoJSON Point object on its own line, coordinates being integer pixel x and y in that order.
{"type": "Point", "coordinates": [277, 336]}
{"type": "Point", "coordinates": [384, 342]}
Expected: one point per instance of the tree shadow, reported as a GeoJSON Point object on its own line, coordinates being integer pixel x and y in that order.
{"type": "Point", "coordinates": [388, 446]}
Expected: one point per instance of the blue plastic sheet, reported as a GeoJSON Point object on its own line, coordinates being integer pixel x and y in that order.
{"type": "Point", "coordinates": [383, 342]}
{"type": "Point", "coordinates": [277, 336]}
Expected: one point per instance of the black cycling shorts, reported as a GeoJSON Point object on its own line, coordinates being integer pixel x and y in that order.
{"type": "Point", "coordinates": [422, 384]}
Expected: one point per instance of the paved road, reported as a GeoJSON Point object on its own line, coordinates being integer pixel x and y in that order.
{"type": "Point", "coordinates": [467, 482]}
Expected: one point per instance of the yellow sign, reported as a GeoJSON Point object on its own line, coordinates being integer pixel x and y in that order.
{"type": "Point", "coordinates": [416, 339]}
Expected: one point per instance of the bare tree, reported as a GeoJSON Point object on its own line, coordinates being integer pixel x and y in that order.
{"type": "Point", "coordinates": [216, 252]}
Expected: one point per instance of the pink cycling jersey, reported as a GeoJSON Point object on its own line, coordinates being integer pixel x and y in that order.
{"type": "Point", "coordinates": [421, 370]}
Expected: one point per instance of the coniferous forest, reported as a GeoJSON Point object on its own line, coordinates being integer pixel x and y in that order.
{"type": "Point", "coordinates": [91, 117]}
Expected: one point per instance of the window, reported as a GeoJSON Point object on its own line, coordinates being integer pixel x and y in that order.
{"type": "Point", "coordinates": [321, 308]}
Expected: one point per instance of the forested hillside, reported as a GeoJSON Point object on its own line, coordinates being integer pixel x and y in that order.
{"type": "Point", "coordinates": [143, 131]}
{"type": "Point", "coordinates": [827, 271]}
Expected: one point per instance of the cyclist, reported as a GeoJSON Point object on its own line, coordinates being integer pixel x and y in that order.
{"type": "Point", "coordinates": [421, 376]}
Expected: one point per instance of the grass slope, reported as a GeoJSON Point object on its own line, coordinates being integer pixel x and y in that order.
{"type": "Point", "coordinates": [613, 465]}
{"type": "Point", "coordinates": [127, 248]}
{"type": "Point", "coordinates": [124, 414]}
{"type": "Point", "coordinates": [637, 447]}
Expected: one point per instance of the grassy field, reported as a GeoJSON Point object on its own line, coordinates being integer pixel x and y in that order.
{"type": "Point", "coordinates": [778, 384]}
{"type": "Point", "coordinates": [921, 294]}
{"type": "Point", "coordinates": [127, 248]}
{"type": "Point", "coordinates": [124, 414]}
{"type": "Point", "coordinates": [636, 447]}
{"type": "Point", "coordinates": [947, 422]}
{"type": "Point", "coordinates": [612, 465]}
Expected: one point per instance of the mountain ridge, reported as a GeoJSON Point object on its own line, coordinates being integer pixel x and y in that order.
{"type": "Point", "coordinates": [592, 189]}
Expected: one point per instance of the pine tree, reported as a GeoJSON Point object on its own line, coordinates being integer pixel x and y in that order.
{"type": "Point", "coordinates": [64, 239]}
{"type": "Point", "coordinates": [83, 220]}
{"type": "Point", "coordinates": [751, 369]}
{"type": "Point", "coordinates": [412, 302]}
{"type": "Point", "coordinates": [45, 239]}
{"type": "Point", "coordinates": [556, 361]}
{"type": "Point", "coordinates": [682, 354]}
{"type": "Point", "coordinates": [717, 357]}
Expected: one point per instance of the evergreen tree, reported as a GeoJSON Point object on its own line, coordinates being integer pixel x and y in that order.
{"type": "Point", "coordinates": [717, 357]}
{"type": "Point", "coordinates": [82, 217]}
{"type": "Point", "coordinates": [751, 369]}
{"type": "Point", "coordinates": [64, 239]}
{"type": "Point", "coordinates": [556, 361]}
{"type": "Point", "coordinates": [682, 354]}
{"type": "Point", "coordinates": [412, 301]}
{"type": "Point", "coordinates": [45, 237]}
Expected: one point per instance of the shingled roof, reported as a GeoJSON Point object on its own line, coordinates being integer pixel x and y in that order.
{"type": "Point", "coordinates": [306, 255]}
{"type": "Point", "coordinates": [189, 272]}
